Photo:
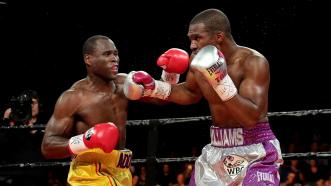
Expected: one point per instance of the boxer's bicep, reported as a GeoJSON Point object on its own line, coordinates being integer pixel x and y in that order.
{"type": "Point", "coordinates": [59, 127]}
{"type": "Point", "coordinates": [255, 85]}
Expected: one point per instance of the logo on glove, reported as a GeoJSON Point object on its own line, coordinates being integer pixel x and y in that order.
{"type": "Point", "coordinates": [217, 70]}
{"type": "Point", "coordinates": [89, 134]}
{"type": "Point", "coordinates": [76, 140]}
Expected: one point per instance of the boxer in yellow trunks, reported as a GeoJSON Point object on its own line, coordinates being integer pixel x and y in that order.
{"type": "Point", "coordinates": [89, 118]}
{"type": "Point", "coordinates": [88, 122]}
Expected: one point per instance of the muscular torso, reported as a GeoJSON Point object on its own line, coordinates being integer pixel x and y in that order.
{"type": "Point", "coordinates": [236, 69]}
{"type": "Point", "coordinates": [99, 107]}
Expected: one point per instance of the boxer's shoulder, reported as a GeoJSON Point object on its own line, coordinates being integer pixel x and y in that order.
{"type": "Point", "coordinates": [120, 78]}
{"type": "Point", "coordinates": [247, 54]}
{"type": "Point", "coordinates": [78, 91]}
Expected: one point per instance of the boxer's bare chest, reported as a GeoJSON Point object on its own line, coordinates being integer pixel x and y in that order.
{"type": "Point", "coordinates": [103, 107]}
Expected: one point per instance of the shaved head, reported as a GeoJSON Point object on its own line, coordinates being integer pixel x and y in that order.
{"type": "Point", "coordinates": [214, 21]}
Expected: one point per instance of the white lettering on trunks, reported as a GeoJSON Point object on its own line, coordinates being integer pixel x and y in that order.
{"type": "Point", "coordinates": [227, 137]}
{"type": "Point", "coordinates": [264, 176]}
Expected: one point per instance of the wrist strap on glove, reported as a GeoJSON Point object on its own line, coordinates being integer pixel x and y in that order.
{"type": "Point", "coordinates": [172, 78]}
{"type": "Point", "coordinates": [162, 90]}
{"type": "Point", "coordinates": [226, 88]}
{"type": "Point", "coordinates": [76, 144]}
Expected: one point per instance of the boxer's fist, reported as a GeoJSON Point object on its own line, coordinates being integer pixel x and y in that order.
{"type": "Point", "coordinates": [144, 79]}
{"type": "Point", "coordinates": [173, 62]}
{"type": "Point", "coordinates": [103, 136]}
{"type": "Point", "coordinates": [141, 84]}
{"type": "Point", "coordinates": [210, 62]}
{"type": "Point", "coordinates": [137, 83]}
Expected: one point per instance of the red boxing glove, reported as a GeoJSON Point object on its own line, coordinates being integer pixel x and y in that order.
{"type": "Point", "coordinates": [174, 60]}
{"type": "Point", "coordinates": [143, 78]}
{"type": "Point", "coordinates": [152, 88]}
{"type": "Point", "coordinates": [141, 84]}
{"type": "Point", "coordinates": [103, 136]}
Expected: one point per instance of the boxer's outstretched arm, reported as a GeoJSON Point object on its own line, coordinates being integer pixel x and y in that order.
{"type": "Point", "coordinates": [185, 93]}
{"type": "Point", "coordinates": [60, 126]}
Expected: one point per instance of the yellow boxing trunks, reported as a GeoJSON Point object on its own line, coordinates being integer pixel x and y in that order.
{"type": "Point", "coordinates": [96, 168]}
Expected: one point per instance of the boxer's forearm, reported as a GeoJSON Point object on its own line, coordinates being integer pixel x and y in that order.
{"type": "Point", "coordinates": [55, 147]}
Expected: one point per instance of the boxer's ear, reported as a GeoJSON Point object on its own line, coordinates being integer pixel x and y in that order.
{"type": "Point", "coordinates": [87, 59]}
{"type": "Point", "coordinates": [220, 36]}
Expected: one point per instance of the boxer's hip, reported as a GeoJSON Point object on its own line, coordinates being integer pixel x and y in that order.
{"type": "Point", "coordinates": [94, 167]}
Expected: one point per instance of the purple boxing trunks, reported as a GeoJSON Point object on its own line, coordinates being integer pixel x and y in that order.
{"type": "Point", "coordinates": [238, 156]}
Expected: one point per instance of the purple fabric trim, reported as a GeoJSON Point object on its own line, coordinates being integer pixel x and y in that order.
{"type": "Point", "coordinates": [192, 179]}
{"type": "Point", "coordinates": [264, 172]}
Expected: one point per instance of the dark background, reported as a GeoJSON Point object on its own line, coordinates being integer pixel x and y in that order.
{"type": "Point", "coordinates": [41, 41]}
{"type": "Point", "coordinates": [40, 46]}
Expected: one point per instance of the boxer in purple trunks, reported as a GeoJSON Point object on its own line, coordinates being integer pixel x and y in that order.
{"type": "Point", "coordinates": [235, 81]}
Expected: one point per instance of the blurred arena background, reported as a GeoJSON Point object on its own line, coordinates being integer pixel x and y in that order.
{"type": "Point", "coordinates": [41, 42]}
